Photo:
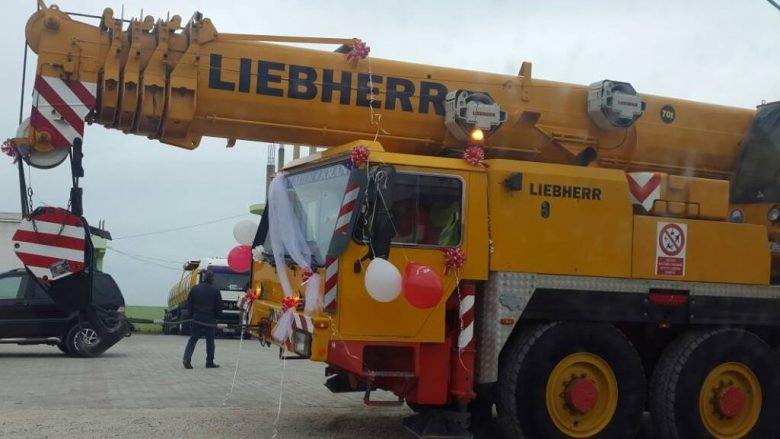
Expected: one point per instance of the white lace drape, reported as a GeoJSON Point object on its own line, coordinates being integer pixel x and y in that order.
{"type": "Point", "coordinates": [287, 239]}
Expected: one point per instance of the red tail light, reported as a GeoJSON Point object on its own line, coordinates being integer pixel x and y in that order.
{"type": "Point", "coordinates": [668, 298]}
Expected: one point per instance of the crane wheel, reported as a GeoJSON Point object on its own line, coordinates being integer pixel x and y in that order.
{"type": "Point", "coordinates": [570, 380]}
{"type": "Point", "coordinates": [722, 384]}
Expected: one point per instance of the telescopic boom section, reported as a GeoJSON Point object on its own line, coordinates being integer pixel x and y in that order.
{"type": "Point", "coordinates": [178, 84]}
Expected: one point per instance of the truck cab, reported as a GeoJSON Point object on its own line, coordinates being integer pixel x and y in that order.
{"type": "Point", "coordinates": [428, 201]}
{"type": "Point", "coordinates": [231, 285]}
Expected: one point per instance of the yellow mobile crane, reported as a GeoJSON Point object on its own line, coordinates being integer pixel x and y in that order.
{"type": "Point", "coordinates": [620, 247]}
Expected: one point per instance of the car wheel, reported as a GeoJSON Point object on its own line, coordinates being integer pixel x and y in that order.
{"type": "Point", "coordinates": [82, 339]}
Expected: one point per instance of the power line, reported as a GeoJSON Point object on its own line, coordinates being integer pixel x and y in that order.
{"type": "Point", "coordinates": [140, 259]}
{"type": "Point", "coordinates": [176, 229]}
{"type": "Point", "coordinates": [151, 258]}
{"type": "Point", "coordinates": [774, 3]}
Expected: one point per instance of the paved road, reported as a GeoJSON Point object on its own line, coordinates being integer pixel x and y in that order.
{"type": "Point", "coordinates": [139, 389]}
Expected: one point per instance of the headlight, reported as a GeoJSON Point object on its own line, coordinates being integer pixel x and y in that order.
{"type": "Point", "coordinates": [774, 214]}
{"type": "Point", "coordinates": [736, 216]}
{"type": "Point", "coordinates": [302, 343]}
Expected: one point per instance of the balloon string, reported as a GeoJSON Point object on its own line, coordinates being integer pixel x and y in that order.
{"type": "Point", "coordinates": [375, 117]}
{"type": "Point", "coordinates": [238, 361]}
{"type": "Point", "coordinates": [279, 407]}
{"type": "Point", "coordinates": [460, 320]}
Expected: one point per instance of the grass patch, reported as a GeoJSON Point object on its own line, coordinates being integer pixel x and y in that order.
{"type": "Point", "coordinates": [146, 312]}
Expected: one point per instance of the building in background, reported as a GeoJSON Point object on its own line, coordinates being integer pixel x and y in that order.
{"type": "Point", "coordinates": [9, 222]}
{"type": "Point", "coordinates": [99, 237]}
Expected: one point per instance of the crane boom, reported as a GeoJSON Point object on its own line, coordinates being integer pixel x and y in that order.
{"type": "Point", "coordinates": [177, 85]}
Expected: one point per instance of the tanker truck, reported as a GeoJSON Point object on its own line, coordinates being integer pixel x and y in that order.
{"type": "Point", "coordinates": [230, 284]}
{"type": "Point", "coordinates": [601, 252]}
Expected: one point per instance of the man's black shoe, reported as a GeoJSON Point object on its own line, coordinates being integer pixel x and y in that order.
{"type": "Point", "coordinates": [212, 366]}
{"type": "Point", "coordinates": [186, 364]}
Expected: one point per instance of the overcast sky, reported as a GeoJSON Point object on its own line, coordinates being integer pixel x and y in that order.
{"type": "Point", "coordinates": [723, 52]}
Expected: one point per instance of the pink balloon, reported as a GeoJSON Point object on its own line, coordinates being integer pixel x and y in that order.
{"type": "Point", "coordinates": [240, 258]}
{"type": "Point", "coordinates": [422, 286]}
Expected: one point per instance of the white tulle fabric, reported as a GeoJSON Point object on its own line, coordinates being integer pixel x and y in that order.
{"type": "Point", "coordinates": [285, 231]}
{"type": "Point", "coordinates": [283, 328]}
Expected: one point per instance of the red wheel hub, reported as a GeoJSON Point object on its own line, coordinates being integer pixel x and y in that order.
{"type": "Point", "coordinates": [582, 395]}
{"type": "Point", "coordinates": [731, 401]}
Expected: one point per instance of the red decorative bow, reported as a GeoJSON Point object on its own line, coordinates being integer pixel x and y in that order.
{"type": "Point", "coordinates": [359, 155]}
{"type": "Point", "coordinates": [475, 156]}
{"type": "Point", "coordinates": [248, 299]}
{"type": "Point", "coordinates": [289, 302]}
{"type": "Point", "coordinates": [305, 275]}
{"type": "Point", "coordinates": [9, 148]}
{"type": "Point", "coordinates": [359, 51]}
{"type": "Point", "coordinates": [454, 258]}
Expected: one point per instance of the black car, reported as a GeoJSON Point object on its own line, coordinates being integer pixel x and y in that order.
{"type": "Point", "coordinates": [29, 316]}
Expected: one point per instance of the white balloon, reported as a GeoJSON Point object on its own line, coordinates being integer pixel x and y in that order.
{"type": "Point", "coordinates": [244, 232]}
{"type": "Point", "coordinates": [383, 281]}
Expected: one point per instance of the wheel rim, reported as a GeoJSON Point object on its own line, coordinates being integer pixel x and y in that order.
{"type": "Point", "coordinates": [88, 336]}
{"type": "Point", "coordinates": [581, 395]}
{"type": "Point", "coordinates": [730, 401]}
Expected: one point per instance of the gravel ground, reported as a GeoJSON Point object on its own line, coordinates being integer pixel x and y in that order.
{"type": "Point", "coordinates": [139, 389]}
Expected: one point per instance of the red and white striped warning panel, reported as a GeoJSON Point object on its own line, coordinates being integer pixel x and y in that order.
{"type": "Point", "coordinates": [645, 188]}
{"type": "Point", "coordinates": [51, 243]}
{"type": "Point", "coordinates": [303, 323]}
{"type": "Point", "coordinates": [466, 311]}
{"type": "Point", "coordinates": [331, 283]}
{"type": "Point", "coordinates": [347, 207]}
{"type": "Point", "coordinates": [60, 107]}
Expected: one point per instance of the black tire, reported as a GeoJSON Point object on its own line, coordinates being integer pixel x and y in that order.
{"type": "Point", "coordinates": [685, 364]}
{"type": "Point", "coordinates": [529, 360]}
{"type": "Point", "coordinates": [166, 329]}
{"type": "Point", "coordinates": [80, 338]}
{"type": "Point", "coordinates": [63, 347]}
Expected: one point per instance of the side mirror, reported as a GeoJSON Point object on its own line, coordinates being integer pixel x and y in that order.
{"type": "Point", "coordinates": [381, 193]}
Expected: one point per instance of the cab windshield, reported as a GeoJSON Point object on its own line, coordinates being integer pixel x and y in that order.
{"type": "Point", "coordinates": [231, 281]}
{"type": "Point", "coordinates": [316, 196]}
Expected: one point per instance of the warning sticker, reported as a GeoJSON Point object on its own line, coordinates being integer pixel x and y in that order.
{"type": "Point", "coordinates": [670, 249]}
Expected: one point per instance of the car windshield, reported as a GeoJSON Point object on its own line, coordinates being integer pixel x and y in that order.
{"type": "Point", "coordinates": [231, 281]}
{"type": "Point", "coordinates": [316, 196]}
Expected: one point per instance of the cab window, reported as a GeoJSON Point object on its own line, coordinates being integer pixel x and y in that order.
{"type": "Point", "coordinates": [10, 287]}
{"type": "Point", "coordinates": [427, 210]}
{"type": "Point", "coordinates": [35, 292]}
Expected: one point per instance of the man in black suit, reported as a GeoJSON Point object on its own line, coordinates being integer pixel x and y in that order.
{"type": "Point", "coordinates": [205, 305]}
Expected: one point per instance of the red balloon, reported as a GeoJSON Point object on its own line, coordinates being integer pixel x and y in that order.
{"type": "Point", "coordinates": [240, 258]}
{"type": "Point", "coordinates": [422, 286]}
